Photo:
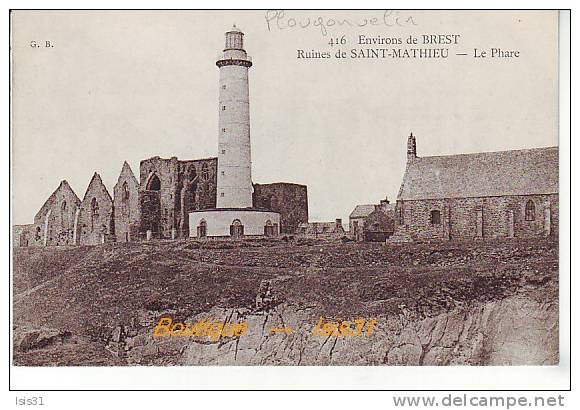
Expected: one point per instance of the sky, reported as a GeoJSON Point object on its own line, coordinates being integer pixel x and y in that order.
{"type": "Point", "coordinates": [130, 85]}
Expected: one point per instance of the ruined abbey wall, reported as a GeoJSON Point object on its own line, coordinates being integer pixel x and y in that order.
{"type": "Point", "coordinates": [170, 189]}
{"type": "Point", "coordinates": [289, 200]}
{"type": "Point", "coordinates": [159, 201]}
{"type": "Point", "coordinates": [126, 203]}
{"type": "Point", "coordinates": [95, 221]}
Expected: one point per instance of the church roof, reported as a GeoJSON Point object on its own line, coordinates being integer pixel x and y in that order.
{"type": "Point", "coordinates": [361, 211]}
{"type": "Point", "coordinates": [63, 189]}
{"type": "Point", "coordinates": [502, 173]}
{"type": "Point", "coordinates": [387, 207]}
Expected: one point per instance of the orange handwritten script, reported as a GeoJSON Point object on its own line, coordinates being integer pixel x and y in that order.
{"type": "Point", "coordinates": [286, 330]}
{"type": "Point", "coordinates": [344, 328]}
{"type": "Point", "coordinates": [202, 328]}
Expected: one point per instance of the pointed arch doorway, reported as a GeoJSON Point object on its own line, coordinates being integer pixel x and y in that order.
{"type": "Point", "coordinates": [150, 199]}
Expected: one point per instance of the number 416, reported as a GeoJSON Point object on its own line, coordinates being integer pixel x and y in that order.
{"type": "Point", "coordinates": [337, 41]}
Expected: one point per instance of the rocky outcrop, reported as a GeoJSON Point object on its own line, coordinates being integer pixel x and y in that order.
{"type": "Point", "coordinates": [26, 338]}
{"type": "Point", "coordinates": [514, 331]}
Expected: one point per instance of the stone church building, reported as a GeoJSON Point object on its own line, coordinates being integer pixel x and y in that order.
{"type": "Point", "coordinates": [159, 202]}
{"type": "Point", "coordinates": [484, 195]}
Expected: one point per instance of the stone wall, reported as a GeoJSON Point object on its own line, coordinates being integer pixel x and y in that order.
{"type": "Point", "coordinates": [182, 186]}
{"type": "Point", "coordinates": [54, 222]}
{"type": "Point", "coordinates": [355, 228]}
{"type": "Point", "coordinates": [150, 211]}
{"type": "Point", "coordinates": [160, 202]}
{"type": "Point", "coordinates": [95, 221]}
{"type": "Point", "coordinates": [473, 218]}
{"type": "Point", "coordinates": [379, 225]}
{"type": "Point", "coordinates": [321, 230]}
{"type": "Point", "coordinates": [126, 203]}
{"type": "Point", "coordinates": [289, 200]}
{"type": "Point", "coordinates": [27, 235]}
{"type": "Point", "coordinates": [218, 224]}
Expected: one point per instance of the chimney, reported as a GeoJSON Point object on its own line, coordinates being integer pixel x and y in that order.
{"type": "Point", "coordinates": [384, 203]}
{"type": "Point", "coordinates": [411, 147]}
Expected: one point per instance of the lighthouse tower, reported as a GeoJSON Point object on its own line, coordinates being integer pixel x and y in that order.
{"type": "Point", "coordinates": [234, 216]}
{"type": "Point", "coordinates": [234, 178]}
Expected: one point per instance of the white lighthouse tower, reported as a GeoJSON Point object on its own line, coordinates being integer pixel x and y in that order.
{"type": "Point", "coordinates": [234, 178]}
{"type": "Point", "coordinates": [234, 215]}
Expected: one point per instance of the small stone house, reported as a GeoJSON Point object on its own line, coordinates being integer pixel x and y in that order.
{"type": "Point", "coordinates": [372, 223]}
{"type": "Point", "coordinates": [357, 218]}
{"type": "Point", "coordinates": [379, 225]}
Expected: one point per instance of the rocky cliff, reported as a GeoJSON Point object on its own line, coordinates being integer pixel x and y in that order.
{"type": "Point", "coordinates": [444, 304]}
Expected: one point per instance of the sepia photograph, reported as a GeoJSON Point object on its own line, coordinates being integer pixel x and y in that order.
{"type": "Point", "coordinates": [361, 188]}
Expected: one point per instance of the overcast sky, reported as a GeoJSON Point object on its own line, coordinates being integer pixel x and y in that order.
{"type": "Point", "coordinates": [121, 86]}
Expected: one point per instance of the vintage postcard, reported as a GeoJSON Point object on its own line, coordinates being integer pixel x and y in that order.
{"type": "Point", "coordinates": [285, 188]}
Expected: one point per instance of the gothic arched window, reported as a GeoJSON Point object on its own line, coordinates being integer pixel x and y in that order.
{"type": "Point", "coordinates": [154, 183]}
{"type": "Point", "coordinates": [94, 206]}
{"type": "Point", "coordinates": [530, 210]}
{"type": "Point", "coordinates": [125, 192]}
{"type": "Point", "coordinates": [205, 172]}
{"type": "Point", "coordinates": [63, 223]}
{"type": "Point", "coordinates": [192, 174]}
{"type": "Point", "coordinates": [94, 212]}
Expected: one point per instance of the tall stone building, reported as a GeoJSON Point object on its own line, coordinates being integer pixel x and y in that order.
{"type": "Point", "coordinates": [126, 206]}
{"type": "Point", "coordinates": [234, 215]}
{"type": "Point", "coordinates": [289, 200]}
{"type": "Point", "coordinates": [502, 194]}
{"type": "Point", "coordinates": [234, 149]}
{"type": "Point", "coordinates": [170, 190]}
{"type": "Point", "coordinates": [95, 221]}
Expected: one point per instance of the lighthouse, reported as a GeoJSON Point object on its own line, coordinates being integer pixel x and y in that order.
{"type": "Point", "coordinates": [234, 215]}
{"type": "Point", "coordinates": [234, 178]}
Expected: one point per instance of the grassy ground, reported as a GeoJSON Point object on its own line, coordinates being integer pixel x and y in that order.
{"type": "Point", "coordinates": [90, 290]}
